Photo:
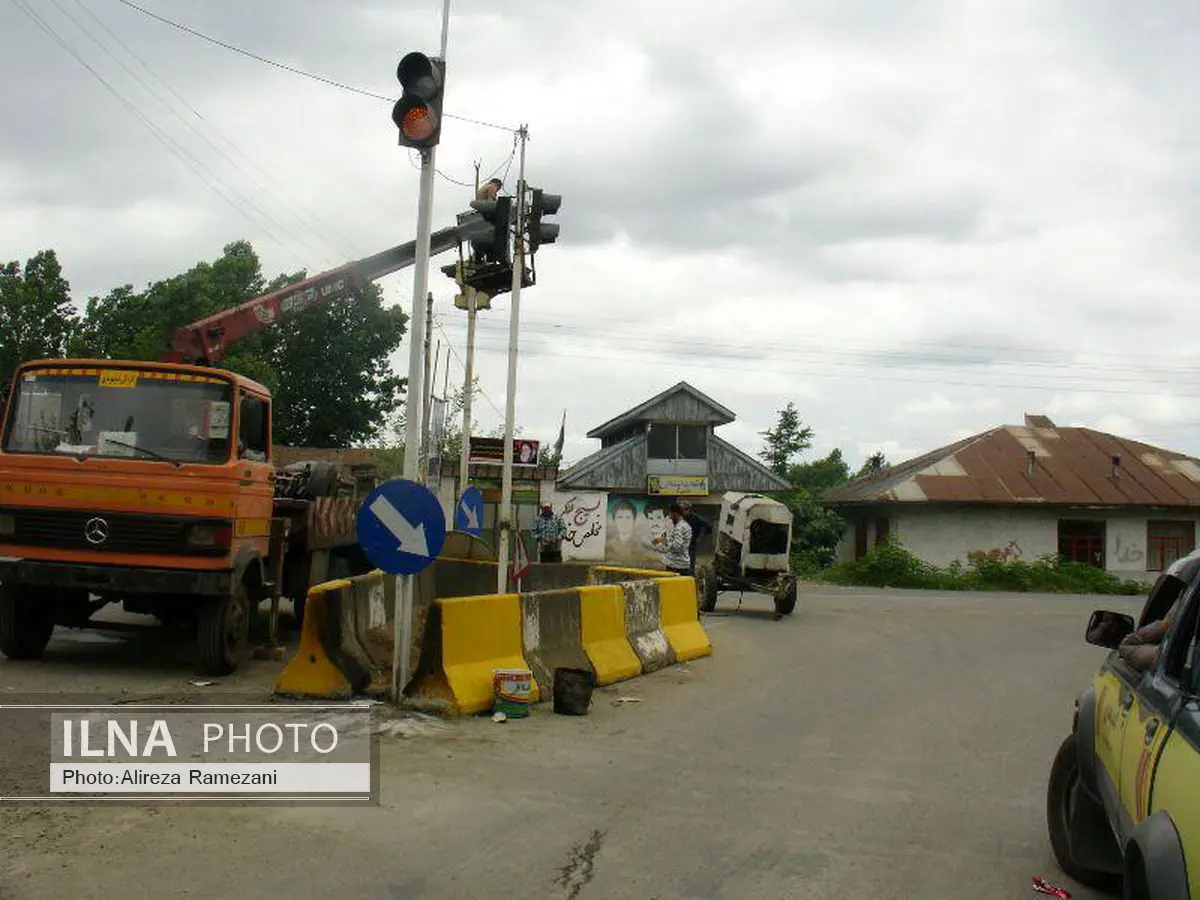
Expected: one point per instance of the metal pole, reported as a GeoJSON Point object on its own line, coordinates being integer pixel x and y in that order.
{"type": "Point", "coordinates": [464, 456]}
{"type": "Point", "coordinates": [506, 508]}
{"type": "Point", "coordinates": [426, 384]}
{"type": "Point", "coordinates": [403, 618]}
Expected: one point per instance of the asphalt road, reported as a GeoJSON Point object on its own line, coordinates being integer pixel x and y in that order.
{"type": "Point", "coordinates": [883, 744]}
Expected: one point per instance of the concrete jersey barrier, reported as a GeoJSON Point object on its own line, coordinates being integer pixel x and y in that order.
{"type": "Point", "coordinates": [602, 609]}
{"type": "Point", "coordinates": [552, 635]}
{"type": "Point", "coordinates": [679, 615]}
{"type": "Point", "coordinates": [643, 625]}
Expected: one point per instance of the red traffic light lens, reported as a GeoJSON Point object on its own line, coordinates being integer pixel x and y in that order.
{"type": "Point", "coordinates": [417, 124]}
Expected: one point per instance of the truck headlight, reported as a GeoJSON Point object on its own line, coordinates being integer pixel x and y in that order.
{"type": "Point", "coordinates": [8, 525]}
{"type": "Point", "coordinates": [210, 535]}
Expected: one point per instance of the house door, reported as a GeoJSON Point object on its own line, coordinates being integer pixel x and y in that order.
{"type": "Point", "coordinates": [860, 538]}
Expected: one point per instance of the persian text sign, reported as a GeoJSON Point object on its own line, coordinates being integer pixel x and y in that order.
{"type": "Point", "coordinates": [678, 485]}
{"type": "Point", "coordinates": [266, 753]}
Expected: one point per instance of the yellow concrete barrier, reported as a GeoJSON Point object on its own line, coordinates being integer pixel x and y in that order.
{"type": "Point", "coordinates": [319, 669]}
{"type": "Point", "coordinates": [474, 635]}
{"type": "Point", "coordinates": [604, 641]}
{"type": "Point", "coordinates": [680, 619]}
{"type": "Point", "coordinates": [620, 574]}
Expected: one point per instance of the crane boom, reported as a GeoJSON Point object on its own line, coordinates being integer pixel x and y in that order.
{"type": "Point", "coordinates": [206, 342]}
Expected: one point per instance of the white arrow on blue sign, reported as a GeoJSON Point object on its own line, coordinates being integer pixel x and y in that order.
{"type": "Point", "coordinates": [401, 527]}
{"type": "Point", "coordinates": [468, 515]}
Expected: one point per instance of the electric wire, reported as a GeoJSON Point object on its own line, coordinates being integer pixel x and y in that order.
{"type": "Point", "coordinates": [292, 69]}
{"type": "Point", "coordinates": [197, 167]}
{"type": "Point", "coordinates": [307, 216]}
{"type": "Point", "coordinates": [321, 253]}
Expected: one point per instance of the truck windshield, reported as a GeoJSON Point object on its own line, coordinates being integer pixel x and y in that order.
{"type": "Point", "coordinates": [130, 413]}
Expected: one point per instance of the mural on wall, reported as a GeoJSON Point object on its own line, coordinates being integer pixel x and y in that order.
{"type": "Point", "coordinates": [633, 523]}
{"type": "Point", "coordinates": [584, 515]}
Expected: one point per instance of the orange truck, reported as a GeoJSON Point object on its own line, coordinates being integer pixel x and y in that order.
{"type": "Point", "coordinates": [152, 485]}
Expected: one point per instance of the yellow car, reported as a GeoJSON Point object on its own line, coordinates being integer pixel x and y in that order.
{"type": "Point", "coordinates": [1123, 801]}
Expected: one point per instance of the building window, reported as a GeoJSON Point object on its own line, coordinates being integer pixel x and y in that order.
{"type": "Point", "coordinates": [882, 529]}
{"type": "Point", "coordinates": [1081, 540]}
{"type": "Point", "coordinates": [677, 441]}
{"type": "Point", "coordinates": [1168, 541]}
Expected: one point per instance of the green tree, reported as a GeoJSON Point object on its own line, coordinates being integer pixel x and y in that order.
{"type": "Point", "coordinates": [820, 475]}
{"type": "Point", "coordinates": [327, 368]}
{"type": "Point", "coordinates": [788, 438]}
{"type": "Point", "coordinates": [816, 529]}
{"type": "Point", "coordinates": [36, 313]}
{"type": "Point", "coordinates": [876, 462]}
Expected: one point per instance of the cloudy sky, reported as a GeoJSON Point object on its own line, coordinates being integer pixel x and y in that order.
{"type": "Point", "coordinates": [915, 220]}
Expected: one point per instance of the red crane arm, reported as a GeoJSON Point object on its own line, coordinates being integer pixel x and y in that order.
{"type": "Point", "coordinates": [207, 341]}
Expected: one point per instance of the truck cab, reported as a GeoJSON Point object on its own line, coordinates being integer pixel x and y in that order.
{"type": "Point", "coordinates": [145, 483]}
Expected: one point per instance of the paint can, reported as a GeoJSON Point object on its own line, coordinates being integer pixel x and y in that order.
{"type": "Point", "coordinates": [512, 692]}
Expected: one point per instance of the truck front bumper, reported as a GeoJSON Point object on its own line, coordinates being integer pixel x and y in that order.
{"type": "Point", "coordinates": [114, 579]}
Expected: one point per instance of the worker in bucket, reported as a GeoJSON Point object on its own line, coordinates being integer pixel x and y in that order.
{"type": "Point", "coordinates": [548, 530]}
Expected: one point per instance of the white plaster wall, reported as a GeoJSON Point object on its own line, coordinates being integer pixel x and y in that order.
{"type": "Point", "coordinates": [943, 536]}
{"type": "Point", "coordinates": [1125, 546]}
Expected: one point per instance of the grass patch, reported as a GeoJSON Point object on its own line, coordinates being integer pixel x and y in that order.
{"type": "Point", "coordinates": [889, 565]}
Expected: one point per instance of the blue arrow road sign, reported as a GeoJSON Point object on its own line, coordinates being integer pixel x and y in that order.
{"type": "Point", "coordinates": [401, 527]}
{"type": "Point", "coordinates": [468, 515]}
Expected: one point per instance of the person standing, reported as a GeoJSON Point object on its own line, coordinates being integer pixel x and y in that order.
{"type": "Point", "coordinates": [548, 530]}
{"type": "Point", "coordinates": [698, 527]}
{"type": "Point", "coordinates": [674, 543]}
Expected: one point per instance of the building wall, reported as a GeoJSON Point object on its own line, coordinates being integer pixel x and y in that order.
{"type": "Point", "coordinates": [941, 536]}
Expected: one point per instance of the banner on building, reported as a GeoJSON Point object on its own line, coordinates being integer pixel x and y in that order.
{"type": "Point", "coordinates": [491, 450]}
{"type": "Point", "coordinates": [677, 485]}
{"type": "Point", "coordinates": [584, 514]}
{"type": "Point", "coordinates": [632, 527]}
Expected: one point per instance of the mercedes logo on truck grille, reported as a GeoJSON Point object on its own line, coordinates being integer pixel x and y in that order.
{"type": "Point", "coordinates": [96, 531]}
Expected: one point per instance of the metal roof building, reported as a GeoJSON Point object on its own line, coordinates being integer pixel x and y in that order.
{"type": "Point", "coordinates": [1032, 490]}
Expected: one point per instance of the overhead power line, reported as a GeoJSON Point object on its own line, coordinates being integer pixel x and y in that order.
{"type": "Point", "coordinates": [293, 69]}
{"type": "Point", "coordinates": [197, 167]}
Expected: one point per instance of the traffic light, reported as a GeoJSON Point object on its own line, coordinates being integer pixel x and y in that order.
{"type": "Point", "coordinates": [494, 246]}
{"type": "Point", "coordinates": [418, 112]}
{"type": "Point", "coordinates": [540, 232]}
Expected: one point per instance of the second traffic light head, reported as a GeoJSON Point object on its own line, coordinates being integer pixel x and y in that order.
{"type": "Point", "coordinates": [418, 112]}
{"type": "Point", "coordinates": [542, 204]}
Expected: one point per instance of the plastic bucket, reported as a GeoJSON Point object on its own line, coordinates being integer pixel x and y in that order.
{"type": "Point", "coordinates": [512, 692]}
{"type": "Point", "coordinates": [573, 691]}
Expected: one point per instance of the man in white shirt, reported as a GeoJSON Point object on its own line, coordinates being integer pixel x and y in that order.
{"type": "Point", "coordinates": [676, 543]}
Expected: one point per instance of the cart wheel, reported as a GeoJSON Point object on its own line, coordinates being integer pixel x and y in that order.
{"type": "Point", "coordinates": [706, 588]}
{"type": "Point", "coordinates": [785, 602]}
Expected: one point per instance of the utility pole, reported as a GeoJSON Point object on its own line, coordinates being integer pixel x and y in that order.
{"type": "Point", "coordinates": [464, 455]}
{"type": "Point", "coordinates": [506, 507]}
{"type": "Point", "coordinates": [403, 618]}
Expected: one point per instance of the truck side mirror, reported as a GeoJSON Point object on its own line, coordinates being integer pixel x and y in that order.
{"type": "Point", "coordinates": [1107, 629]}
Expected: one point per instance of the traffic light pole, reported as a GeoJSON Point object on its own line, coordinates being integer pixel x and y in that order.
{"type": "Point", "coordinates": [403, 617]}
{"type": "Point", "coordinates": [506, 507]}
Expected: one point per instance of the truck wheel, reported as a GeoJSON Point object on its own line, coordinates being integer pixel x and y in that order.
{"type": "Point", "coordinates": [785, 603]}
{"type": "Point", "coordinates": [1064, 780]}
{"type": "Point", "coordinates": [26, 623]}
{"type": "Point", "coordinates": [706, 588]}
{"type": "Point", "coordinates": [223, 637]}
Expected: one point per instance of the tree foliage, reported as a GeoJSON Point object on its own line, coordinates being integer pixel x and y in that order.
{"type": "Point", "coordinates": [328, 368]}
{"type": "Point", "coordinates": [786, 440]}
{"type": "Point", "coordinates": [36, 313]}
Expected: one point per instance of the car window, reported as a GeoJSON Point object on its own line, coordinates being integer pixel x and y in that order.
{"type": "Point", "coordinates": [1179, 643]}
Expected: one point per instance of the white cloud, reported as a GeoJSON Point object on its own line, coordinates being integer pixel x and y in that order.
{"type": "Point", "coordinates": [915, 221]}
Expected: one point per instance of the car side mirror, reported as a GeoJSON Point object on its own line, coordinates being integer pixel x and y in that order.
{"type": "Point", "coordinates": [1107, 629]}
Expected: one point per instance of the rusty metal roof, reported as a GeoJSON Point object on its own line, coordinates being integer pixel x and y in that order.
{"type": "Point", "coordinates": [1035, 465]}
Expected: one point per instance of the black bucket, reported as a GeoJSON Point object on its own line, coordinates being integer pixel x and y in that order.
{"type": "Point", "coordinates": [573, 691]}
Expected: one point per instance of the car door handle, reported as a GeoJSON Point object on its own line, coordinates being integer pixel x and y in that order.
{"type": "Point", "coordinates": [1151, 730]}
